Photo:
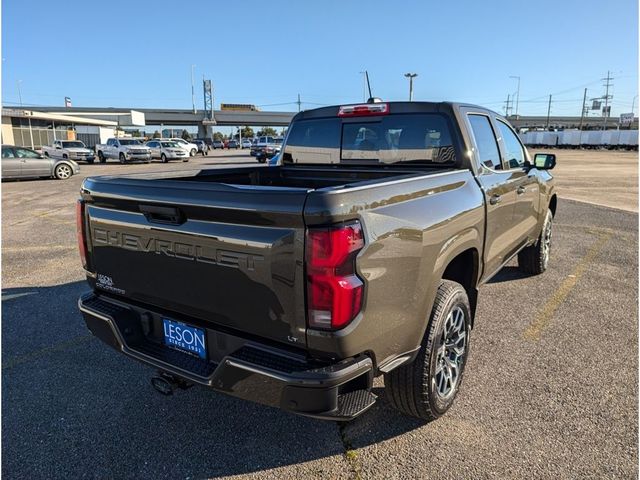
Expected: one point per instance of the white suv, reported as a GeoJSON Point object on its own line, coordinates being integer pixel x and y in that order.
{"type": "Point", "coordinates": [190, 148]}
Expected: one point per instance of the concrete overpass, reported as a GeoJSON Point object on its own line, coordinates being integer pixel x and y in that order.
{"type": "Point", "coordinates": [166, 116]}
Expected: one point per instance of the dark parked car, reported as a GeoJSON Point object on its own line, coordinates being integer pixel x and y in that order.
{"type": "Point", "coordinates": [233, 144]}
{"type": "Point", "coordinates": [361, 254]}
{"type": "Point", "coordinates": [21, 162]}
{"type": "Point", "coordinates": [217, 144]}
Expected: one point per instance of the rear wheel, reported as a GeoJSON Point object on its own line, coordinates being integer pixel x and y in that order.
{"type": "Point", "coordinates": [63, 171]}
{"type": "Point", "coordinates": [427, 387]}
{"type": "Point", "coordinates": [535, 259]}
{"type": "Point", "coordinates": [101, 157]}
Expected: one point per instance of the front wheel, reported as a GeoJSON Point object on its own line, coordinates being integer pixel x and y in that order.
{"type": "Point", "coordinates": [163, 157]}
{"type": "Point", "coordinates": [122, 158]}
{"type": "Point", "coordinates": [193, 152]}
{"type": "Point", "coordinates": [63, 171]}
{"type": "Point", "coordinates": [427, 387]}
{"type": "Point", "coordinates": [535, 259]}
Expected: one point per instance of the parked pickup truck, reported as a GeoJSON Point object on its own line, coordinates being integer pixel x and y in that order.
{"type": "Point", "coordinates": [124, 149]}
{"type": "Point", "coordinates": [360, 255]}
{"type": "Point", "coordinates": [69, 149]}
{"type": "Point", "coordinates": [260, 144]}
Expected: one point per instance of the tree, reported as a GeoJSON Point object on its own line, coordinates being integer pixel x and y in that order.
{"type": "Point", "coordinates": [156, 134]}
{"type": "Point", "coordinates": [267, 132]}
{"type": "Point", "coordinates": [247, 132]}
{"type": "Point", "coordinates": [185, 135]}
{"type": "Point", "coordinates": [218, 136]}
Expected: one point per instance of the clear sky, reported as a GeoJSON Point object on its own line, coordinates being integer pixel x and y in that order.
{"type": "Point", "coordinates": [139, 53]}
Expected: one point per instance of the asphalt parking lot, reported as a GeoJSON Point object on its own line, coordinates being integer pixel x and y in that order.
{"type": "Point", "coordinates": [550, 391]}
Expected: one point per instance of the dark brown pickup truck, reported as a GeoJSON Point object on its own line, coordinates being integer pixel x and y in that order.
{"type": "Point", "coordinates": [361, 254]}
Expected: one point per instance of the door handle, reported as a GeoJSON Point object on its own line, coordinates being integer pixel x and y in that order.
{"type": "Point", "coordinates": [495, 199]}
{"type": "Point", "coordinates": [521, 190]}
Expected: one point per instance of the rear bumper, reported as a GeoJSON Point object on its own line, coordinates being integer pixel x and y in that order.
{"type": "Point", "coordinates": [236, 366]}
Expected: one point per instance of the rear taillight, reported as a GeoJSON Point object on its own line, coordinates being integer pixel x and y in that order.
{"type": "Point", "coordinates": [81, 232]}
{"type": "Point", "coordinates": [334, 291]}
{"type": "Point", "coordinates": [363, 110]}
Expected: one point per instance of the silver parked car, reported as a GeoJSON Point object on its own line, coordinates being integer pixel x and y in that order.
{"type": "Point", "coordinates": [21, 162]}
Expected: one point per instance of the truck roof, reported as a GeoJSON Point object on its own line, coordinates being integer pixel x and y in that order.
{"type": "Point", "coordinates": [394, 107]}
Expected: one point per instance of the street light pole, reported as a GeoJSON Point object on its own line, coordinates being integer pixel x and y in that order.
{"type": "Point", "coordinates": [193, 95]}
{"type": "Point", "coordinates": [411, 76]}
{"type": "Point", "coordinates": [517, 93]}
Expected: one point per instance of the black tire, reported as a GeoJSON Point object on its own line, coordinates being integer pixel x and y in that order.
{"type": "Point", "coordinates": [534, 260]}
{"type": "Point", "coordinates": [411, 388]}
{"type": "Point", "coordinates": [121, 157]}
{"type": "Point", "coordinates": [90, 162]}
{"type": "Point", "coordinates": [185, 160]}
{"type": "Point", "coordinates": [101, 157]}
{"type": "Point", "coordinates": [163, 157]}
{"type": "Point", "coordinates": [193, 152]}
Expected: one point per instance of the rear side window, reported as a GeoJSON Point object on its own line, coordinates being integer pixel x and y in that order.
{"type": "Point", "coordinates": [416, 138]}
{"type": "Point", "coordinates": [513, 148]}
{"type": "Point", "coordinates": [485, 141]}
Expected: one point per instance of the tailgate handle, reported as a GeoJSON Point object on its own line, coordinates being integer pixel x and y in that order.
{"type": "Point", "coordinates": [166, 215]}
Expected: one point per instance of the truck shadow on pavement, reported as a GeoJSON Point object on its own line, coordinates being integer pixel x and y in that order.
{"type": "Point", "coordinates": [507, 274]}
{"type": "Point", "coordinates": [74, 407]}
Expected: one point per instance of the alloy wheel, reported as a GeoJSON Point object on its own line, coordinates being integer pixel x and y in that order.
{"type": "Point", "coordinates": [450, 353]}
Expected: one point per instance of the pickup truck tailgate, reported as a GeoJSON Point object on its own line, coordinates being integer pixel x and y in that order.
{"type": "Point", "coordinates": [202, 250]}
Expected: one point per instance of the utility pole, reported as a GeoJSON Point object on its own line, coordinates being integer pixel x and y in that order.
{"type": "Point", "coordinates": [605, 112]}
{"type": "Point", "coordinates": [584, 108]}
{"type": "Point", "coordinates": [548, 112]}
{"type": "Point", "coordinates": [193, 94]}
{"type": "Point", "coordinates": [517, 94]}
{"type": "Point", "coordinates": [298, 102]}
{"type": "Point", "coordinates": [506, 108]}
{"type": "Point", "coordinates": [411, 76]}
{"type": "Point", "coordinates": [584, 111]}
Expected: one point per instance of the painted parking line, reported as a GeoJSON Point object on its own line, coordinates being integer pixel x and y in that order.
{"type": "Point", "coordinates": [11, 296]}
{"type": "Point", "coordinates": [544, 316]}
{"type": "Point", "coordinates": [34, 248]}
{"type": "Point", "coordinates": [34, 355]}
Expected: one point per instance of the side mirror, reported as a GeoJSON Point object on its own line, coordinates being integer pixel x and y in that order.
{"type": "Point", "coordinates": [544, 161]}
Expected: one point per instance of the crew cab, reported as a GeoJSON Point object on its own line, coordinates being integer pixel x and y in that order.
{"type": "Point", "coordinates": [69, 149]}
{"type": "Point", "coordinates": [124, 149]}
{"type": "Point", "coordinates": [359, 254]}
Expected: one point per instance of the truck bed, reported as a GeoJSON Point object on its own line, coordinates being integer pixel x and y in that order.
{"type": "Point", "coordinates": [223, 246]}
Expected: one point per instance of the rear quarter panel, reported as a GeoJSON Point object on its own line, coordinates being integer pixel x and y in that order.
{"type": "Point", "coordinates": [413, 228]}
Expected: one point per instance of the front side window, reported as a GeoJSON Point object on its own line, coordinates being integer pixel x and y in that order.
{"type": "Point", "coordinates": [513, 149]}
{"type": "Point", "coordinates": [486, 142]}
{"type": "Point", "coordinates": [24, 153]}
